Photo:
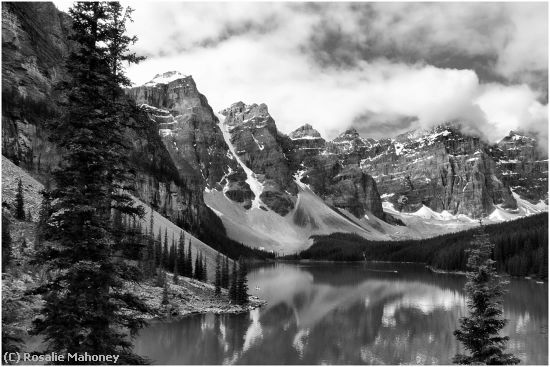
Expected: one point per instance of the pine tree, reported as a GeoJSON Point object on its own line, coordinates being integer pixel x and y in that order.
{"type": "Point", "coordinates": [198, 265]}
{"type": "Point", "coordinates": [43, 215]}
{"type": "Point", "coordinates": [189, 261]}
{"type": "Point", "coordinates": [204, 273]}
{"type": "Point", "coordinates": [160, 277]}
{"type": "Point", "coordinates": [85, 299]}
{"type": "Point", "coordinates": [151, 248]}
{"type": "Point", "coordinates": [233, 287]}
{"type": "Point", "coordinates": [172, 252]}
{"type": "Point", "coordinates": [158, 249]}
{"type": "Point", "coordinates": [175, 261]}
{"type": "Point", "coordinates": [218, 278]}
{"type": "Point", "coordinates": [479, 331]}
{"type": "Point", "coordinates": [165, 299]}
{"type": "Point", "coordinates": [6, 243]}
{"type": "Point", "coordinates": [225, 273]}
{"type": "Point", "coordinates": [242, 287]}
{"type": "Point", "coordinates": [165, 250]}
{"type": "Point", "coordinates": [182, 262]}
{"type": "Point", "coordinates": [19, 202]}
{"type": "Point", "coordinates": [145, 259]}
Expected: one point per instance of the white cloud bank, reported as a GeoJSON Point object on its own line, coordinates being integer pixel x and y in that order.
{"type": "Point", "coordinates": [258, 52]}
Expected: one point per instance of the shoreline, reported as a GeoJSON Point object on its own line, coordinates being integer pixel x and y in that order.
{"type": "Point", "coordinates": [429, 267]}
{"type": "Point", "coordinates": [188, 297]}
{"type": "Point", "coordinates": [253, 303]}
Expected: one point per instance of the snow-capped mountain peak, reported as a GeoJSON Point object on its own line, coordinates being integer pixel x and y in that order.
{"type": "Point", "coordinates": [165, 78]}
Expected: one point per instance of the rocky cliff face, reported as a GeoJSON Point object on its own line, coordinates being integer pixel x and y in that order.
{"type": "Point", "coordinates": [34, 44]}
{"type": "Point", "coordinates": [278, 160]}
{"type": "Point", "coordinates": [521, 166]}
{"type": "Point", "coordinates": [34, 47]}
{"type": "Point", "coordinates": [190, 132]}
{"type": "Point", "coordinates": [256, 142]}
{"type": "Point", "coordinates": [442, 169]}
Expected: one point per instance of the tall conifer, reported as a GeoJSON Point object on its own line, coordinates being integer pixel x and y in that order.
{"type": "Point", "coordinates": [233, 286]}
{"type": "Point", "coordinates": [189, 260]}
{"type": "Point", "coordinates": [242, 287]}
{"type": "Point", "coordinates": [85, 301]}
{"type": "Point", "coordinates": [479, 331]}
{"type": "Point", "coordinates": [218, 276]}
{"type": "Point", "coordinates": [19, 202]}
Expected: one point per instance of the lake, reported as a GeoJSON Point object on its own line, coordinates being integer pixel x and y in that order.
{"type": "Point", "coordinates": [347, 313]}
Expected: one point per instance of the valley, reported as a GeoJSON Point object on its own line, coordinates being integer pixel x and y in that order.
{"type": "Point", "coordinates": [246, 232]}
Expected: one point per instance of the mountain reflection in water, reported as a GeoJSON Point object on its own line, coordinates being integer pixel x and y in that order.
{"type": "Point", "coordinates": [346, 314]}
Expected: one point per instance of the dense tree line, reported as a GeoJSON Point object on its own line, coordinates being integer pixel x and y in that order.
{"type": "Point", "coordinates": [159, 255]}
{"type": "Point", "coordinates": [521, 248]}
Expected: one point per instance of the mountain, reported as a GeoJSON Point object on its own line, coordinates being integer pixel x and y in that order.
{"type": "Point", "coordinates": [522, 166]}
{"type": "Point", "coordinates": [234, 173]}
{"type": "Point", "coordinates": [34, 46]}
{"type": "Point", "coordinates": [440, 168]}
{"type": "Point", "coordinates": [273, 191]}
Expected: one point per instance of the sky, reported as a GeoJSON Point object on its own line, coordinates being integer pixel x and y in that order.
{"type": "Point", "coordinates": [383, 68]}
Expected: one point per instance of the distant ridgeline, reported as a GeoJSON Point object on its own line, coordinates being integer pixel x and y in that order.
{"type": "Point", "coordinates": [521, 248]}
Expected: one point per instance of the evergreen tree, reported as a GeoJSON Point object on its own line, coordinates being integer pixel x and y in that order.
{"type": "Point", "coordinates": [189, 260]}
{"type": "Point", "coordinates": [479, 331]}
{"type": "Point", "coordinates": [198, 266]}
{"type": "Point", "coordinates": [19, 202]}
{"type": "Point", "coordinates": [172, 252]}
{"type": "Point", "coordinates": [158, 249]}
{"type": "Point", "coordinates": [86, 303]}
{"type": "Point", "coordinates": [225, 273]}
{"type": "Point", "coordinates": [151, 248]}
{"type": "Point", "coordinates": [165, 299]}
{"type": "Point", "coordinates": [43, 215]}
{"type": "Point", "coordinates": [182, 263]}
{"type": "Point", "coordinates": [175, 260]}
{"type": "Point", "coordinates": [242, 287]}
{"type": "Point", "coordinates": [6, 243]}
{"type": "Point", "coordinates": [233, 287]}
{"type": "Point", "coordinates": [204, 273]}
{"type": "Point", "coordinates": [145, 264]}
{"type": "Point", "coordinates": [218, 278]}
{"type": "Point", "coordinates": [165, 250]}
{"type": "Point", "coordinates": [161, 275]}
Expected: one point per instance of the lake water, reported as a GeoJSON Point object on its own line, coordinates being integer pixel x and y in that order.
{"type": "Point", "coordinates": [347, 313]}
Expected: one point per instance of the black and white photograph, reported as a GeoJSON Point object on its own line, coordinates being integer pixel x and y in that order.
{"type": "Point", "coordinates": [274, 183]}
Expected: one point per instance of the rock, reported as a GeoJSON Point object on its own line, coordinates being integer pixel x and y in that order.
{"type": "Point", "coordinates": [521, 166]}
{"type": "Point", "coordinates": [442, 168]}
{"type": "Point", "coordinates": [190, 132]}
{"type": "Point", "coordinates": [257, 143]}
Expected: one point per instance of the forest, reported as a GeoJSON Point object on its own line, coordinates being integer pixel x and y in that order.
{"type": "Point", "coordinates": [521, 248]}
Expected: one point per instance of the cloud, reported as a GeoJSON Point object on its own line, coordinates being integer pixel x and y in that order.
{"type": "Point", "coordinates": [366, 65]}
{"type": "Point", "coordinates": [514, 108]}
{"type": "Point", "coordinates": [493, 39]}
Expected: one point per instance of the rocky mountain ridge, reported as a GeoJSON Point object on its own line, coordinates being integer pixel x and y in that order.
{"type": "Point", "coordinates": [441, 169]}
{"type": "Point", "coordinates": [34, 46]}
{"type": "Point", "coordinates": [190, 160]}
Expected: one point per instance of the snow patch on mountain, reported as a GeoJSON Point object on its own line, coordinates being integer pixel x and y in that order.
{"type": "Point", "coordinates": [255, 185]}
